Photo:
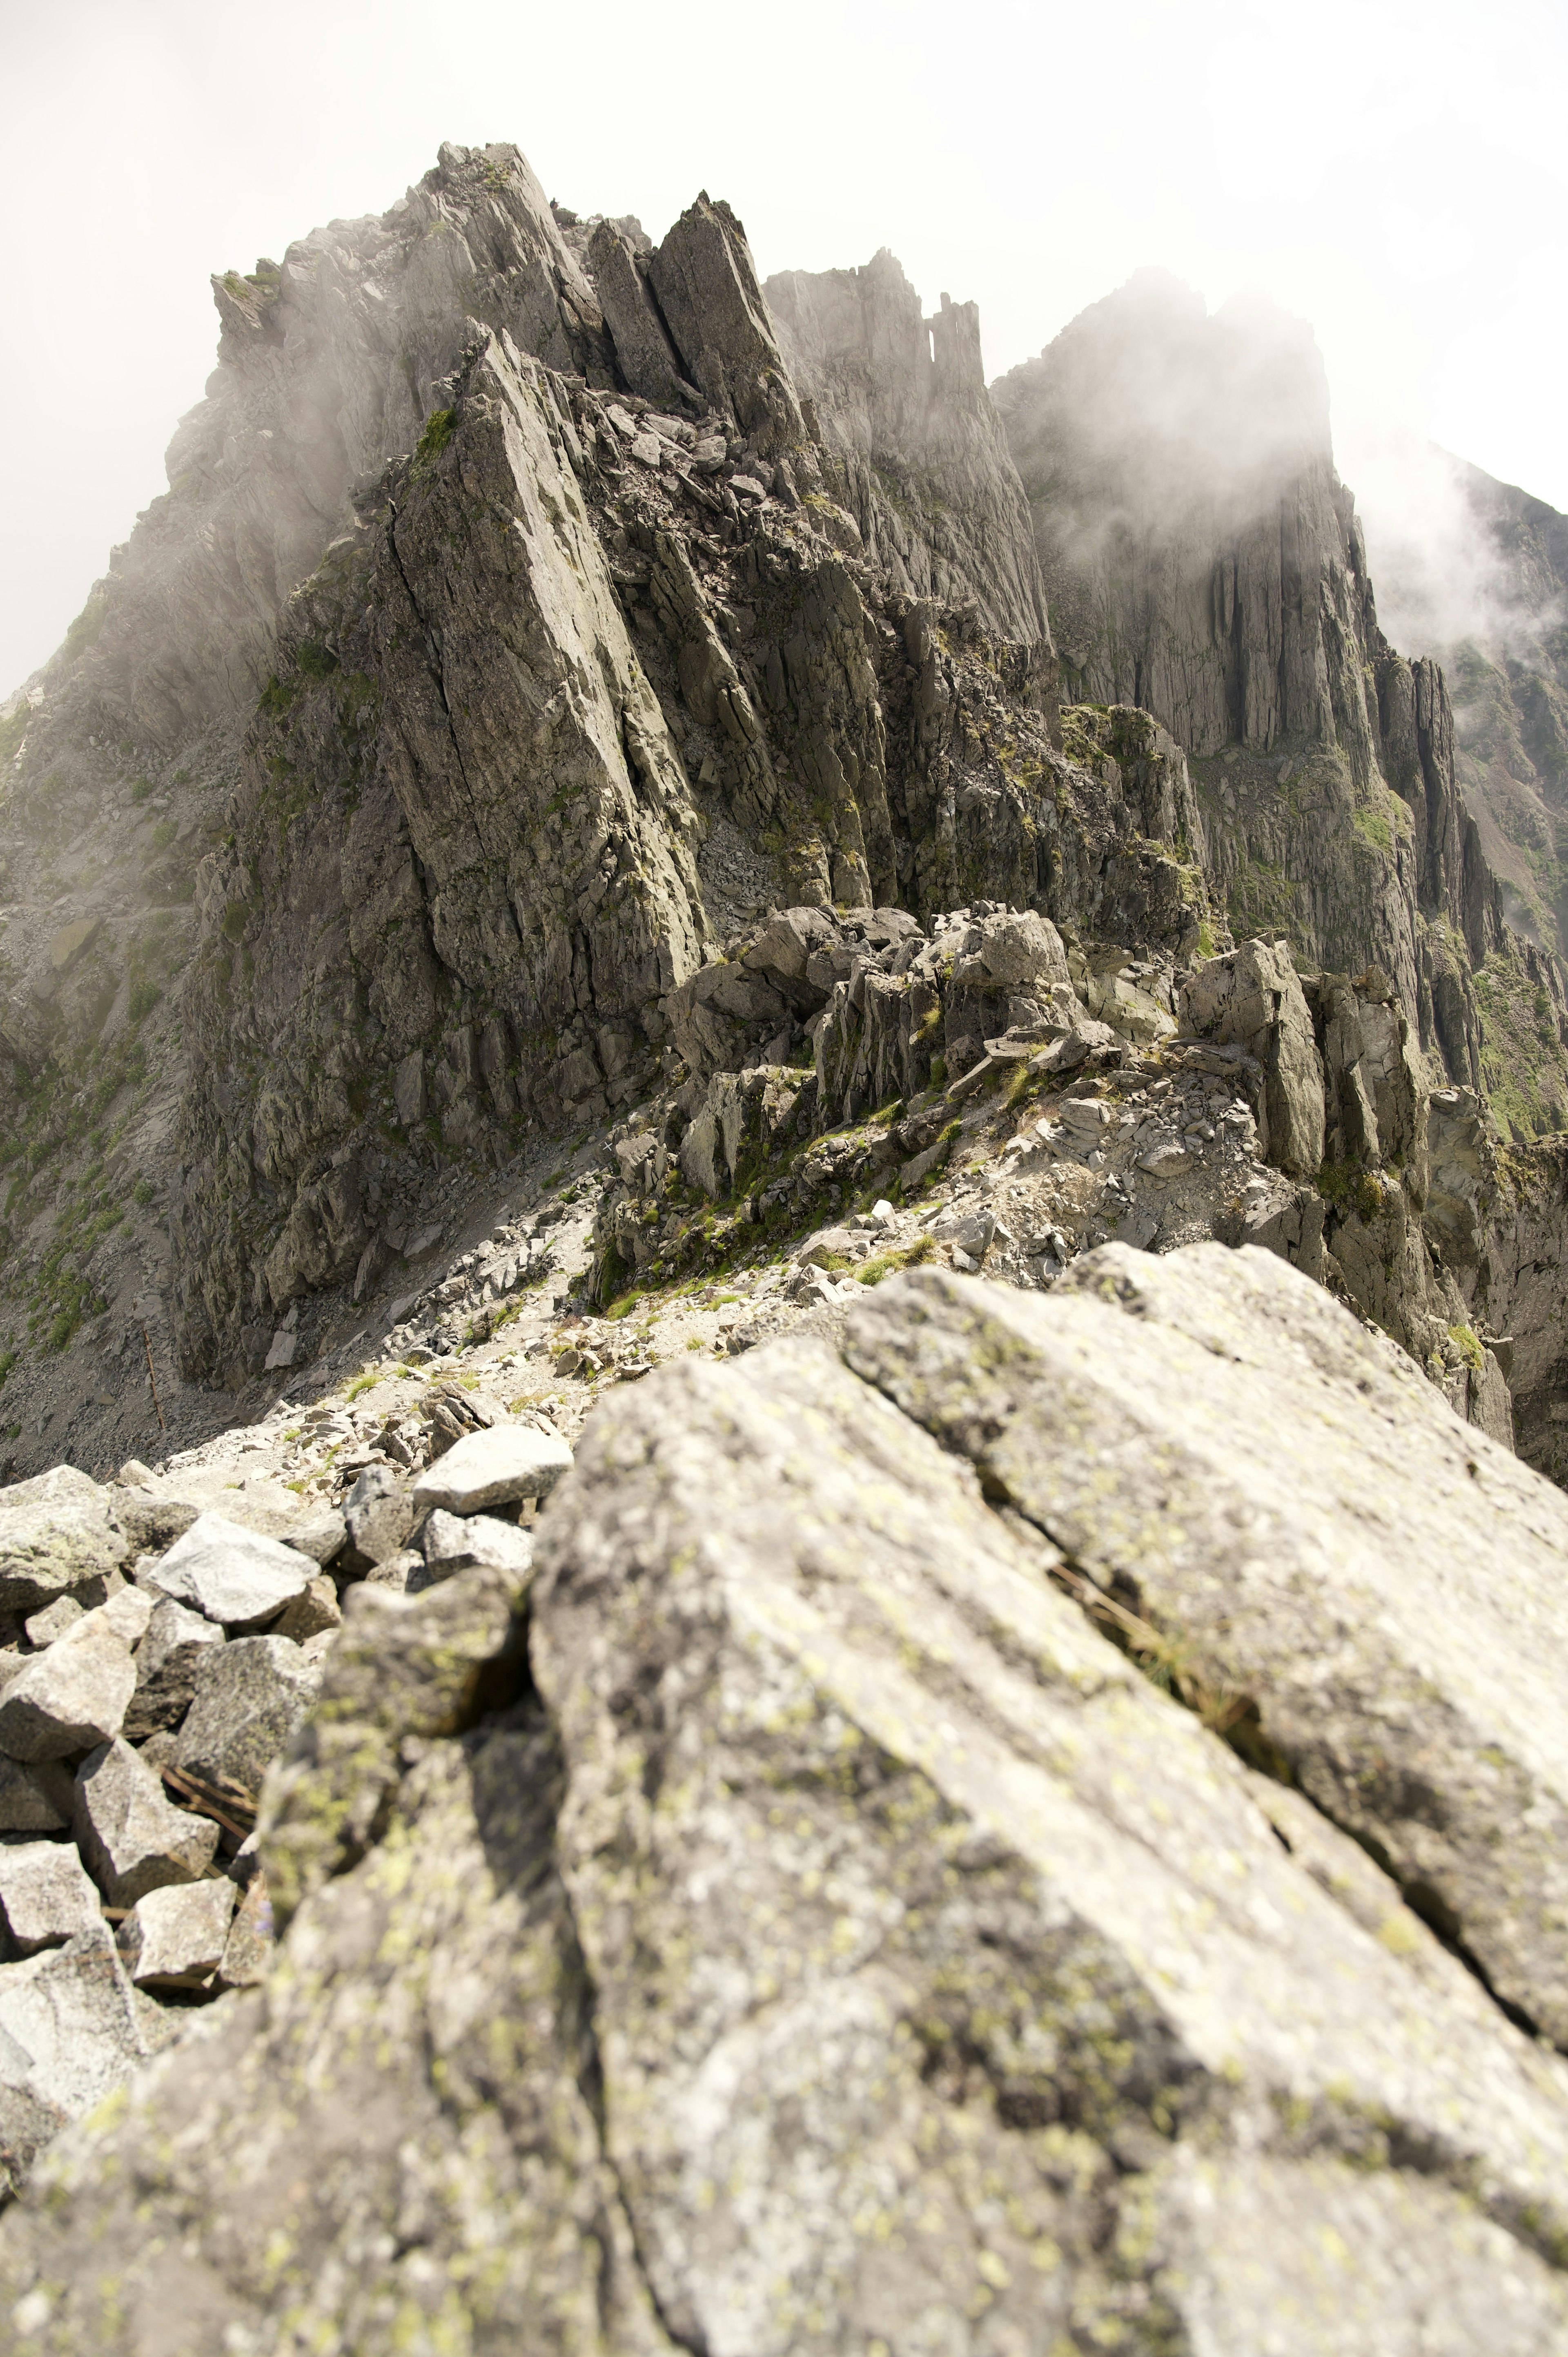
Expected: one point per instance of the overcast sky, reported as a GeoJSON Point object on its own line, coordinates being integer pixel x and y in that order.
{"type": "Point", "coordinates": [1395, 174]}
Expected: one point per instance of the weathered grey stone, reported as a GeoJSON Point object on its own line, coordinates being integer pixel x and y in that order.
{"type": "Point", "coordinates": [251, 1945]}
{"type": "Point", "coordinates": [71, 2034]}
{"type": "Point", "coordinates": [46, 1896]}
{"type": "Point", "coordinates": [416, 1666]}
{"type": "Point", "coordinates": [379, 1512]}
{"type": "Point", "coordinates": [229, 1574]}
{"type": "Point", "coordinates": [1015, 948]}
{"type": "Point", "coordinates": [132, 1838]}
{"type": "Point", "coordinates": [166, 1658]}
{"type": "Point", "coordinates": [321, 1534]}
{"type": "Point", "coordinates": [1332, 1557]}
{"type": "Point", "coordinates": [250, 1696]}
{"type": "Point", "coordinates": [453, 1543]}
{"type": "Point", "coordinates": [315, 1610]}
{"type": "Point", "coordinates": [57, 1531]}
{"type": "Point", "coordinates": [491, 1469]}
{"type": "Point", "coordinates": [174, 1937]}
{"type": "Point", "coordinates": [53, 1621]}
{"type": "Point", "coordinates": [909, 1909]}
{"type": "Point", "coordinates": [72, 1697]}
{"type": "Point", "coordinates": [1253, 997]}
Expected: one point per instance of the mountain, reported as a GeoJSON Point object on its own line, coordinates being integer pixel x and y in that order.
{"type": "Point", "coordinates": [784, 1268]}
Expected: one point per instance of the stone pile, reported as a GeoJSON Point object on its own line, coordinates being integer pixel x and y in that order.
{"type": "Point", "coordinates": [161, 1656]}
{"type": "Point", "coordinates": [1036, 1823]}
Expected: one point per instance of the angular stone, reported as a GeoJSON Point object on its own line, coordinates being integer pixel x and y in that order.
{"type": "Point", "coordinates": [251, 1947]}
{"type": "Point", "coordinates": [53, 1621]}
{"type": "Point", "coordinates": [132, 1838]}
{"type": "Point", "coordinates": [57, 1531]}
{"type": "Point", "coordinates": [321, 1535]}
{"type": "Point", "coordinates": [1254, 998]}
{"type": "Point", "coordinates": [1336, 1562]}
{"type": "Point", "coordinates": [46, 1896]}
{"type": "Point", "coordinates": [229, 1574]}
{"type": "Point", "coordinates": [72, 1697]}
{"type": "Point", "coordinates": [38, 1799]}
{"type": "Point", "coordinates": [127, 1611]}
{"type": "Point", "coordinates": [314, 1611]}
{"type": "Point", "coordinates": [250, 1694]}
{"type": "Point", "coordinates": [379, 1512]}
{"type": "Point", "coordinates": [71, 2025]}
{"type": "Point", "coordinates": [491, 1469]}
{"type": "Point", "coordinates": [403, 1666]}
{"type": "Point", "coordinates": [174, 1937]}
{"type": "Point", "coordinates": [454, 1543]}
{"type": "Point", "coordinates": [166, 1658]}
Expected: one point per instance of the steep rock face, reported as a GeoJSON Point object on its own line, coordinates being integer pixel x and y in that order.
{"type": "Point", "coordinates": [1478, 576]}
{"type": "Point", "coordinates": [327, 369]}
{"type": "Point", "coordinates": [489, 875]}
{"type": "Point", "coordinates": [839, 1941]}
{"type": "Point", "coordinates": [901, 401]}
{"type": "Point", "coordinates": [1203, 560]}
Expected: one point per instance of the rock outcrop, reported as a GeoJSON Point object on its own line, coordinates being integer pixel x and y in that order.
{"type": "Point", "coordinates": [901, 401]}
{"type": "Point", "coordinates": [921, 1889]}
{"type": "Point", "coordinates": [1203, 560]}
{"type": "Point", "coordinates": [540, 614]}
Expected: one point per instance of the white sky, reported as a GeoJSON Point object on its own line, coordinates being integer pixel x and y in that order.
{"type": "Point", "coordinates": [1395, 173]}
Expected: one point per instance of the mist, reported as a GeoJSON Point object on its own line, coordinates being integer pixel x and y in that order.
{"type": "Point", "coordinates": [1395, 178]}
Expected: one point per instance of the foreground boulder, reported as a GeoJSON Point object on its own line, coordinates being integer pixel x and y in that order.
{"type": "Point", "coordinates": [838, 1942]}
{"type": "Point", "coordinates": [1367, 1593]}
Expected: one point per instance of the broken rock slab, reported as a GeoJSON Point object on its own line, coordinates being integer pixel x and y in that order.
{"type": "Point", "coordinates": [495, 1468]}
{"type": "Point", "coordinates": [72, 1697]}
{"type": "Point", "coordinates": [249, 1948]}
{"type": "Point", "coordinates": [57, 1532]}
{"type": "Point", "coordinates": [166, 1658]}
{"type": "Point", "coordinates": [46, 1896]}
{"type": "Point", "coordinates": [1362, 1587]}
{"type": "Point", "coordinates": [403, 1666]}
{"type": "Point", "coordinates": [454, 1543]}
{"type": "Point", "coordinates": [379, 1513]}
{"type": "Point", "coordinates": [229, 1574]}
{"type": "Point", "coordinates": [313, 1612]}
{"type": "Point", "coordinates": [174, 1937]}
{"type": "Point", "coordinates": [71, 2034]}
{"type": "Point", "coordinates": [250, 1694]}
{"type": "Point", "coordinates": [132, 1838]}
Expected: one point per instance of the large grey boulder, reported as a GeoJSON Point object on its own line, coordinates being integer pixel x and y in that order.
{"type": "Point", "coordinates": [1365, 1591]}
{"type": "Point", "coordinates": [250, 1696]}
{"type": "Point", "coordinates": [493, 1468]}
{"type": "Point", "coordinates": [174, 1937]}
{"type": "Point", "coordinates": [57, 1532]}
{"type": "Point", "coordinates": [453, 1543]}
{"type": "Point", "coordinates": [70, 2033]}
{"type": "Point", "coordinates": [379, 1512]}
{"type": "Point", "coordinates": [846, 1945]}
{"type": "Point", "coordinates": [406, 1668]}
{"type": "Point", "coordinates": [1254, 998]}
{"type": "Point", "coordinates": [71, 1697]}
{"type": "Point", "coordinates": [177, 1639]}
{"type": "Point", "coordinates": [46, 1896]}
{"type": "Point", "coordinates": [132, 1838]}
{"type": "Point", "coordinates": [229, 1574]}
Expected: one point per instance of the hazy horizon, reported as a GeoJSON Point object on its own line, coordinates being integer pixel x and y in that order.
{"type": "Point", "coordinates": [1390, 178]}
